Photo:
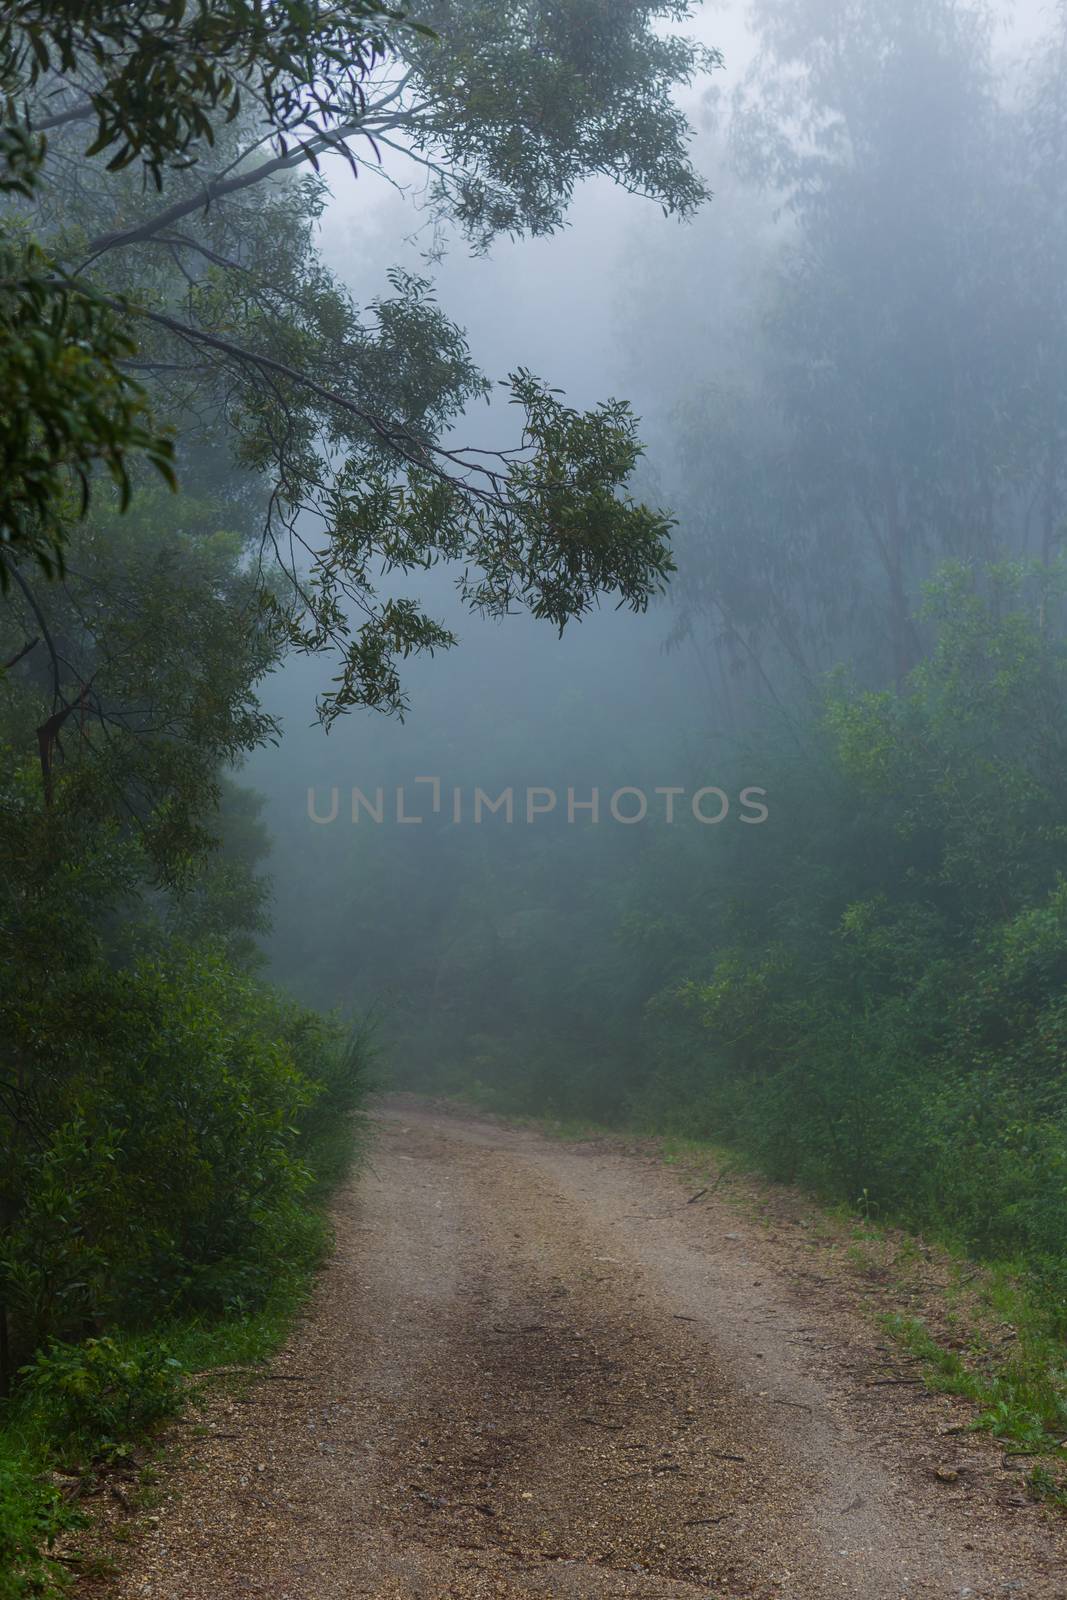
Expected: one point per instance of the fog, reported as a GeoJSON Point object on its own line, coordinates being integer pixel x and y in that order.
{"type": "Point", "coordinates": [678, 318]}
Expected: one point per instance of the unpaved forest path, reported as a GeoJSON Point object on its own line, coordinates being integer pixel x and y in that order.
{"type": "Point", "coordinates": [532, 1369]}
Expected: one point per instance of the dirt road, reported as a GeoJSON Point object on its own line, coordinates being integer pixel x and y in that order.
{"type": "Point", "coordinates": [533, 1369]}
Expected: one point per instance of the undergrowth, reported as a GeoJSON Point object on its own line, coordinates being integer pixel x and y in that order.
{"type": "Point", "coordinates": [88, 1410]}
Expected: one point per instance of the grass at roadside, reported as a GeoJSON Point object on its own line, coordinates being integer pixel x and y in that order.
{"type": "Point", "coordinates": [989, 1339]}
{"type": "Point", "coordinates": [1003, 1359]}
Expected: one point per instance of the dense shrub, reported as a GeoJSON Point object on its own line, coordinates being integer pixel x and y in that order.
{"type": "Point", "coordinates": [172, 1132]}
{"type": "Point", "coordinates": [98, 1395]}
{"type": "Point", "coordinates": [175, 1103]}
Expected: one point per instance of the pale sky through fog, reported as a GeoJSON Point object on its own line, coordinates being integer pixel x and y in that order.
{"type": "Point", "coordinates": [537, 303]}
{"type": "Point", "coordinates": [552, 304]}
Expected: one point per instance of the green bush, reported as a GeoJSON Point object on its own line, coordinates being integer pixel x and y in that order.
{"type": "Point", "coordinates": [182, 1124]}
{"type": "Point", "coordinates": [189, 1110]}
{"type": "Point", "coordinates": [98, 1396]}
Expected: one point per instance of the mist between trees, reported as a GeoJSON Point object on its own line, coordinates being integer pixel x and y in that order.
{"type": "Point", "coordinates": [848, 369]}
{"type": "Point", "coordinates": [256, 483]}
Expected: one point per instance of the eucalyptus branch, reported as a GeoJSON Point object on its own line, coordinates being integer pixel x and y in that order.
{"type": "Point", "coordinates": [410, 447]}
{"type": "Point", "coordinates": [219, 189]}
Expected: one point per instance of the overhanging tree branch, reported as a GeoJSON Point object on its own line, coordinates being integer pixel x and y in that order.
{"type": "Point", "coordinates": [219, 189]}
{"type": "Point", "coordinates": [409, 447]}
